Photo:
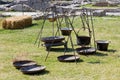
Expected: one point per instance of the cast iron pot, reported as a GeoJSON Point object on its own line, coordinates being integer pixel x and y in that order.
{"type": "Point", "coordinates": [66, 31]}
{"type": "Point", "coordinates": [53, 39]}
{"type": "Point", "coordinates": [102, 45]}
{"type": "Point", "coordinates": [83, 40]}
{"type": "Point", "coordinates": [52, 18]}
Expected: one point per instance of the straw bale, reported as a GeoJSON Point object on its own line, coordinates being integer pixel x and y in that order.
{"type": "Point", "coordinates": [18, 22]}
{"type": "Point", "coordinates": [27, 20]}
{"type": "Point", "coordinates": [4, 24]}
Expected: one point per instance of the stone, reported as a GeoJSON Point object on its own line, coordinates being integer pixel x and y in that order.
{"type": "Point", "coordinates": [35, 4]}
{"type": "Point", "coordinates": [36, 17]}
{"type": "Point", "coordinates": [20, 7]}
{"type": "Point", "coordinates": [99, 13]}
{"type": "Point", "coordinates": [2, 8]}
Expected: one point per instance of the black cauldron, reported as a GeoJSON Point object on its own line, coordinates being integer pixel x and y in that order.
{"type": "Point", "coordinates": [66, 31]}
{"type": "Point", "coordinates": [52, 39]}
{"type": "Point", "coordinates": [102, 45]}
{"type": "Point", "coordinates": [83, 40]}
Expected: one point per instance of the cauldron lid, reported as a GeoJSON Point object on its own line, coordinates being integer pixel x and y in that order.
{"type": "Point", "coordinates": [33, 69]}
{"type": "Point", "coordinates": [52, 38]}
{"type": "Point", "coordinates": [22, 63]}
{"type": "Point", "coordinates": [83, 36]}
{"type": "Point", "coordinates": [86, 50]}
{"type": "Point", "coordinates": [68, 58]}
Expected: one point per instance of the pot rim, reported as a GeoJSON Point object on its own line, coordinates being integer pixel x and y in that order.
{"type": "Point", "coordinates": [83, 36]}
{"type": "Point", "coordinates": [52, 38]}
{"type": "Point", "coordinates": [102, 41]}
{"type": "Point", "coordinates": [66, 28]}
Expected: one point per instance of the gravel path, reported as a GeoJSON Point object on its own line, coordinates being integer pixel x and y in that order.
{"type": "Point", "coordinates": [21, 13]}
{"type": "Point", "coordinates": [40, 13]}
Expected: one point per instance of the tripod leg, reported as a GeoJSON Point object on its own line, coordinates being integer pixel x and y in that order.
{"type": "Point", "coordinates": [53, 28]}
{"type": "Point", "coordinates": [66, 45]}
{"type": "Point", "coordinates": [47, 54]}
{"type": "Point", "coordinates": [40, 32]}
{"type": "Point", "coordinates": [58, 26]}
{"type": "Point", "coordinates": [73, 19]}
{"type": "Point", "coordinates": [93, 28]}
{"type": "Point", "coordinates": [51, 45]}
{"type": "Point", "coordinates": [72, 26]}
{"type": "Point", "coordinates": [73, 48]}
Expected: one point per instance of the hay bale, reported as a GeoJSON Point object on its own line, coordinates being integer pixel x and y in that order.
{"type": "Point", "coordinates": [4, 24]}
{"type": "Point", "coordinates": [18, 22]}
{"type": "Point", "coordinates": [27, 20]}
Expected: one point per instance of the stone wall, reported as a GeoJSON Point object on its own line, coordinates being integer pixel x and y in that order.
{"type": "Point", "coordinates": [20, 7]}
{"type": "Point", "coordinates": [35, 4]}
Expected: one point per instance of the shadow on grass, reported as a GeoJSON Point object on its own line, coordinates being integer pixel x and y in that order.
{"type": "Point", "coordinates": [33, 24]}
{"type": "Point", "coordinates": [95, 54]}
{"type": "Point", "coordinates": [39, 73]}
{"type": "Point", "coordinates": [111, 50]}
{"type": "Point", "coordinates": [100, 54]}
{"type": "Point", "coordinates": [96, 62]}
{"type": "Point", "coordinates": [80, 60]}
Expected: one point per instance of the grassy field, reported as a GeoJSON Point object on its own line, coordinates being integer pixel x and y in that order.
{"type": "Point", "coordinates": [104, 65]}
{"type": "Point", "coordinates": [97, 7]}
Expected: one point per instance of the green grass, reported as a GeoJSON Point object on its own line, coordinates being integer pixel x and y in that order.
{"type": "Point", "coordinates": [97, 7]}
{"type": "Point", "coordinates": [104, 65]}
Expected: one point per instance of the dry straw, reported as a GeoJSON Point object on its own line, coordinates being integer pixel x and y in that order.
{"type": "Point", "coordinates": [17, 22]}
